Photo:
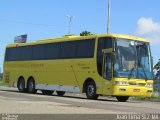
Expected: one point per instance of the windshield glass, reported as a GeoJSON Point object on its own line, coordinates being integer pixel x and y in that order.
{"type": "Point", "coordinates": [132, 59]}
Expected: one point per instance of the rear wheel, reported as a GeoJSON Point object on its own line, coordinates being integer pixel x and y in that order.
{"type": "Point", "coordinates": [60, 93]}
{"type": "Point", "coordinates": [21, 85]}
{"type": "Point", "coordinates": [91, 91]}
{"type": "Point", "coordinates": [47, 92]}
{"type": "Point", "coordinates": [31, 86]}
{"type": "Point", "coordinates": [122, 98]}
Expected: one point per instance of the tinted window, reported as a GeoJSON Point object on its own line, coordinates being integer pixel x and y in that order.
{"type": "Point", "coordinates": [38, 52]}
{"type": "Point", "coordinates": [10, 54]}
{"type": "Point", "coordinates": [52, 51]}
{"type": "Point", "coordinates": [85, 48]}
{"type": "Point", "coordinates": [26, 53]}
{"type": "Point", "coordinates": [6, 54]}
{"type": "Point", "coordinates": [68, 50]}
{"type": "Point", "coordinates": [63, 50]}
{"type": "Point", "coordinates": [19, 53]}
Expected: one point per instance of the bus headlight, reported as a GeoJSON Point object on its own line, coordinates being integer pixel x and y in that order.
{"type": "Point", "coordinates": [121, 83]}
{"type": "Point", "coordinates": [149, 85]}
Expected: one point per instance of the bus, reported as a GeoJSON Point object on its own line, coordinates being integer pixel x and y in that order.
{"type": "Point", "coordinates": [115, 65]}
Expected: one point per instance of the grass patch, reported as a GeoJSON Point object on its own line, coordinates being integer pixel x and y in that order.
{"type": "Point", "coordinates": [154, 97]}
{"type": "Point", "coordinates": [140, 98]}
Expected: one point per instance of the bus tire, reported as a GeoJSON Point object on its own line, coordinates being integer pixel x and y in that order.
{"type": "Point", "coordinates": [47, 92]}
{"type": "Point", "coordinates": [21, 85]}
{"type": "Point", "coordinates": [60, 93]}
{"type": "Point", "coordinates": [122, 98]}
{"type": "Point", "coordinates": [91, 91]}
{"type": "Point", "coordinates": [31, 86]}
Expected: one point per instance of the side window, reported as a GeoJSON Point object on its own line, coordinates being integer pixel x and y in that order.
{"type": "Point", "coordinates": [103, 43]}
{"type": "Point", "coordinates": [26, 53]}
{"type": "Point", "coordinates": [52, 51]}
{"type": "Point", "coordinates": [6, 54]}
{"type": "Point", "coordinates": [13, 54]}
{"type": "Point", "coordinates": [85, 48]}
{"type": "Point", "coordinates": [18, 54]}
{"type": "Point", "coordinates": [61, 50]}
{"type": "Point", "coordinates": [38, 52]}
{"type": "Point", "coordinates": [68, 50]}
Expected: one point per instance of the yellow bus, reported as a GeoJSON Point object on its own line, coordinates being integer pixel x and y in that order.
{"type": "Point", "coordinates": [104, 64]}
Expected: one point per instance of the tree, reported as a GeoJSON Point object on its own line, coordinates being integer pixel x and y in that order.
{"type": "Point", "coordinates": [157, 66]}
{"type": "Point", "coordinates": [1, 75]}
{"type": "Point", "coordinates": [85, 33]}
{"type": "Point", "coordinates": [156, 77]}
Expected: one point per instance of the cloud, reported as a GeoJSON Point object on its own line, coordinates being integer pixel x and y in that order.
{"type": "Point", "coordinates": [148, 28]}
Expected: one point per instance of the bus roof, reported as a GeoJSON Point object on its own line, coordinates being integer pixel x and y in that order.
{"type": "Point", "coordinates": [74, 37]}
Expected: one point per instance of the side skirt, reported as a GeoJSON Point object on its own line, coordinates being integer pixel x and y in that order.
{"type": "Point", "coordinates": [65, 88]}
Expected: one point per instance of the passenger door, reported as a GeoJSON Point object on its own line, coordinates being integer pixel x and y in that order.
{"type": "Point", "coordinates": [107, 71]}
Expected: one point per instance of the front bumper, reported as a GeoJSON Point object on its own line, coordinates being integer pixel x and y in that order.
{"type": "Point", "coordinates": [132, 91]}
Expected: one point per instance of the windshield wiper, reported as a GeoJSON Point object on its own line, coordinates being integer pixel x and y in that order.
{"type": "Point", "coordinates": [130, 74]}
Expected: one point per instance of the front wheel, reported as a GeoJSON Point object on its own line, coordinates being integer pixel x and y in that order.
{"type": "Point", "coordinates": [122, 98]}
{"type": "Point", "coordinates": [91, 91]}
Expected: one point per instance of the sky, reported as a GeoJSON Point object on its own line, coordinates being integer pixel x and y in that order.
{"type": "Point", "coordinates": [41, 19]}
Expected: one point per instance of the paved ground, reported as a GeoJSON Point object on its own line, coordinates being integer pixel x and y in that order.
{"type": "Point", "coordinates": [11, 101]}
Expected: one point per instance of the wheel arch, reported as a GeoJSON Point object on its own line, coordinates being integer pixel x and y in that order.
{"type": "Point", "coordinates": [88, 80]}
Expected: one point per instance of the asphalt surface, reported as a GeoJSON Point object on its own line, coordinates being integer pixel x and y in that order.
{"type": "Point", "coordinates": [11, 101]}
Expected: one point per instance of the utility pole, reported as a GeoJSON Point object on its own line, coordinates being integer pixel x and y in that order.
{"type": "Point", "coordinates": [108, 23]}
{"type": "Point", "coordinates": [70, 23]}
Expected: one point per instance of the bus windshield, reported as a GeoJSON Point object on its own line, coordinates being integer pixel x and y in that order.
{"type": "Point", "coordinates": [132, 59]}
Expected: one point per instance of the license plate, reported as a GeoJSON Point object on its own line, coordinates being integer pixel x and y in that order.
{"type": "Point", "coordinates": [136, 90]}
